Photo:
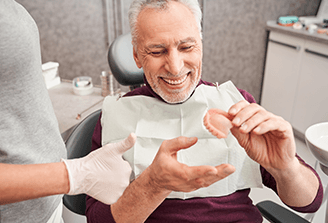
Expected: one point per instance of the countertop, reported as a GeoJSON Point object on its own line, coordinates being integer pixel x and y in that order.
{"type": "Point", "coordinates": [302, 33]}
{"type": "Point", "coordinates": [68, 105]}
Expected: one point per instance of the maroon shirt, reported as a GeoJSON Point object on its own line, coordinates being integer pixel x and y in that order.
{"type": "Point", "coordinates": [236, 207]}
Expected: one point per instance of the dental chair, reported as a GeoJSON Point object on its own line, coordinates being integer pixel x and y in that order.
{"type": "Point", "coordinates": [122, 64]}
{"type": "Point", "coordinates": [78, 144]}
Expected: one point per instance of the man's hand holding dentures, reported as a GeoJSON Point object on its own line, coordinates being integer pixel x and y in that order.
{"type": "Point", "coordinates": [267, 138]}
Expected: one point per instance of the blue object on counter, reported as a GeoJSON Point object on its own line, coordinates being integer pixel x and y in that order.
{"type": "Point", "coordinates": [287, 19]}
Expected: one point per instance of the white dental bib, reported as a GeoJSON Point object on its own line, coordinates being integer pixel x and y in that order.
{"type": "Point", "coordinates": [154, 121]}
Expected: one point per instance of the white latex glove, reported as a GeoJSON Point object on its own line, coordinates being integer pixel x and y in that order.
{"type": "Point", "coordinates": [102, 174]}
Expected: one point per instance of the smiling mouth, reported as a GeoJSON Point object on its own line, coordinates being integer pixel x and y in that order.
{"type": "Point", "coordinates": [176, 82]}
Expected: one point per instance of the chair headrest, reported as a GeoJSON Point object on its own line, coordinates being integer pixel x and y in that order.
{"type": "Point", "coordinates": [121, 62]}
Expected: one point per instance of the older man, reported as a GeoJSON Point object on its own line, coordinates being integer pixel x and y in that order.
{"type": "Point", "coordinates": [168, 46]}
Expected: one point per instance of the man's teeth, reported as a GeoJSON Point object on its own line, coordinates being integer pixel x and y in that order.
{"type": "Point", "coordinates": [175, 82]}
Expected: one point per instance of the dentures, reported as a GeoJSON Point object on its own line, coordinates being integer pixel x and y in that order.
{"type": "Point", "coordinates": [218, 122]}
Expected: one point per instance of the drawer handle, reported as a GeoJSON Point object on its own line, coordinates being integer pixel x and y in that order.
{"type": "Point", "coordinates": [285, 44]}
{"type": "Point", "coordinates": [316, 53]}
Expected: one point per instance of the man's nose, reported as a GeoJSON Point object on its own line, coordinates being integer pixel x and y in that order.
{"type": "Point", "coordinates": [174, 62]}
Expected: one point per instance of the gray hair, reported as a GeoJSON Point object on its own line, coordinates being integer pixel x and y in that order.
{"type": "Point", "coordinates": [138, 5]}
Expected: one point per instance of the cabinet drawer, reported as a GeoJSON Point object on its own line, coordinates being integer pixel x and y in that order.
{"type": "Point", "coordinates": [316, 49]}
{"type": "Point", "coordinates": [286, 40]}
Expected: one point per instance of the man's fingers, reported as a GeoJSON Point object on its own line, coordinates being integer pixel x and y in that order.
{"type": "Point", "coordinates": [176, 144]}
{"type": "Point", "coordinates": [210, 177]}
{"type": "Point", "coordinates": [278, 125]}
{"type": "Point", "coordinates": [205, 171]}
{"type": "Point", "coordinates": [257, 119]}
{"type": "Point", "coordinates": [225, 169]}
{"type": "Point", "coordinates": [234, 109]}
{"type": "Point", "coordinates": [246, 113]}
{"type": "Point", "coordinates": [194, 172]}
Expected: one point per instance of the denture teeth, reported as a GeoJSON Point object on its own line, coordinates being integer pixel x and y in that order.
{"type": "Point", "coordinates": [175, 82]}
{"type": "Point", "coordinates": [217, 122]}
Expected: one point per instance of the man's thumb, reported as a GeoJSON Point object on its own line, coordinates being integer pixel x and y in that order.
{"type": "Point", "coordinates": [176, 144]}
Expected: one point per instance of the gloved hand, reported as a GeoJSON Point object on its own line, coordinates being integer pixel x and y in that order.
{"type": "Point", "coordinates": [102, 174]}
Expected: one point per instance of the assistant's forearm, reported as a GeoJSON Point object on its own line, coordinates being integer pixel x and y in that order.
{"type": "Point", "coordinates": [138, 201]}
{"type": "Point", "coordinates": [297, 186]}
{"type": "Point", "coordinates": [24, 182]}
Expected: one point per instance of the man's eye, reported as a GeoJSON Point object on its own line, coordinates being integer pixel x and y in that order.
{"type": "Point", "coordinates": [186, 47]}
{"type": "Point", "coordinates": [157, 53]}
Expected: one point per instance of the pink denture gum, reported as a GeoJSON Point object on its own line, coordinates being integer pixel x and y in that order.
{"type": "Point", "coordinates": [218, 122]}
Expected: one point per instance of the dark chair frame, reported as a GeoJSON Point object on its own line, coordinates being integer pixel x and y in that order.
{"type": "Point", "coordinates": [277, 214]}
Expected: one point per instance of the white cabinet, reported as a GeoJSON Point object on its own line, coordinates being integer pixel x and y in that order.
{"type": "Point", "coordinates": [311, 101]}
{"type": "Point", "coordinates": [281, 72]}
{"type": "Point", "coordinates": [295, 82]}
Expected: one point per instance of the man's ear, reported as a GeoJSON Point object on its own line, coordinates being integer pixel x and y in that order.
{"type": "Point", "coordinates": [136, 59]}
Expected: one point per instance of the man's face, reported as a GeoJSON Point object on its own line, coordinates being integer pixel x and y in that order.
{"type": "Point", "coordinates": [169, 49]}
